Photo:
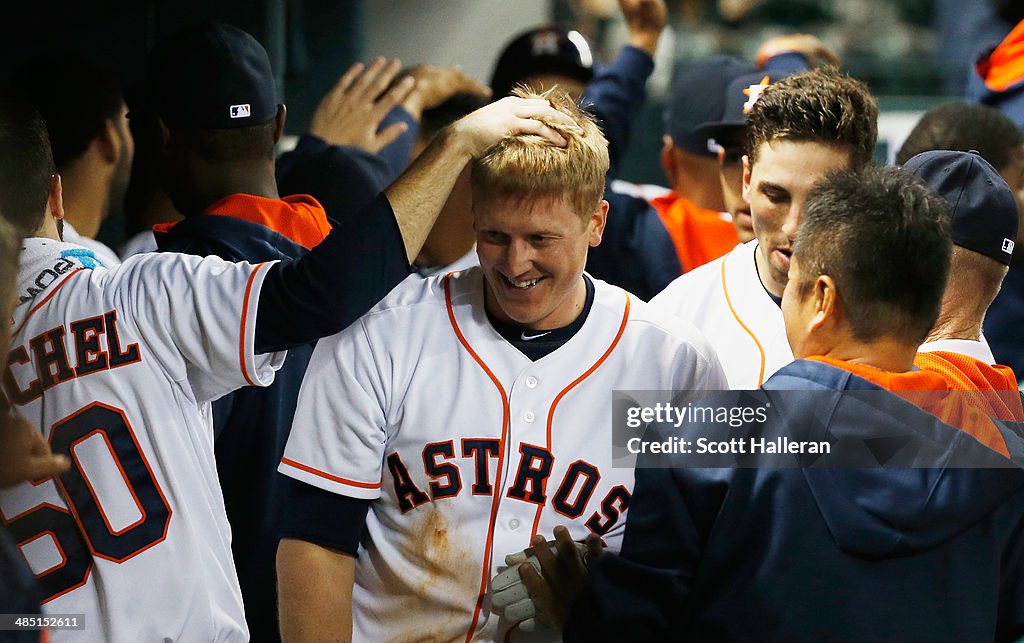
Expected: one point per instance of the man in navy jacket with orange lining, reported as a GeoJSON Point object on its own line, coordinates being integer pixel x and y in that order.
{"type": "Point", "coordinates": [908, 527]}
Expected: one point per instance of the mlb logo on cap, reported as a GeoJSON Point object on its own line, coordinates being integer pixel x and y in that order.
{"type": "Point", "coordinates": [1008, 246]}
{"type": "Point", "coordinates": [240, 111]}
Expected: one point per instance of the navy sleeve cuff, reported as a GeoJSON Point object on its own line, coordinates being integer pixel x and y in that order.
{"type": "Point", "coordinates": [324, 518]}
{"type": "Point", "coordinates": [397, 154]}
{"type": "Point", "coordinates": [336, 283]}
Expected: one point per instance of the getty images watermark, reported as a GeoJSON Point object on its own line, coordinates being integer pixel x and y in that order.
{"type": "Point", "coordinates": [667, 414]}
{"type": "Point", "coordinates": [784, 429]}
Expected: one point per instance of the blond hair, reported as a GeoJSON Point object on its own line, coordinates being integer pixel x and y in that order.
{"type": "Point", "coordinates": [527, 166]}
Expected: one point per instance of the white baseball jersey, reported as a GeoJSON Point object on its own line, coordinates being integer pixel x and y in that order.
{"type": "Point", "coordinates": [103, 252]}
{"type": "Point", "coordinates": [117, 367]}
{"type": "Point", "coordinates": [468, 448]}
{"type": "Point", "coordinates": [726, 301]}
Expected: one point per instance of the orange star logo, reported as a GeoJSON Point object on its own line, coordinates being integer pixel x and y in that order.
{"type": "Point", "coordinates": [753, 93]}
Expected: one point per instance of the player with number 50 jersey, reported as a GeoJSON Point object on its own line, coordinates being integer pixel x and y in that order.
{"type": "Point", "coordinates": [117, 368]}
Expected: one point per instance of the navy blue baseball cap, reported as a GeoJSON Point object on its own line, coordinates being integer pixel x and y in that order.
{"type": "Point", "coordinates": [211, 76]}
{"type": "Point", "coordinates": [552, 49]}
{"type": "Point", "coordinates": [982, 207]}
{"type": "Point", "coordinates": [697, 96]}
{"type": "Point", "coordinates": [740, 96]}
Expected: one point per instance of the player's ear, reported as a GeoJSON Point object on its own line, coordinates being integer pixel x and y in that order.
{"type": "Point", "coordinates": [826, 302]}
{"type": "Point", "coordinates": [56, 198]}
{"type": "Point", "coordinates": [668, 159]}
{"type": "Point", "coordinates": [279, 118]}
{"type": "Point", "coordinates": [108, 142]}
{"type": "Point", "coordinates": [746, 178]}
{"type": "Point", "coordinates": [597, 222]}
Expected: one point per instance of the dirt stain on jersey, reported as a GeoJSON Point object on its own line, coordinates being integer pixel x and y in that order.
{"type": "Point", "coordinates": [442, 599]}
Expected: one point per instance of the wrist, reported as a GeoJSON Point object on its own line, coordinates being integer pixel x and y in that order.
{"type": "Point", "coordinates": [647, 42]}
{"type": "Point", "coordinates": [456, 142]}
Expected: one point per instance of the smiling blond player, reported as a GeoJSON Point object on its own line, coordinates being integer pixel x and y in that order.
{"type": "Point", "coordinates": [468, 412]}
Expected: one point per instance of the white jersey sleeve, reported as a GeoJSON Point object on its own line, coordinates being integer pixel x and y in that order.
{"type": "Point", "coordinates": [342, 412]}
{"type": "Point", "coordinates": [199, 314]}
{"type": "Point", "coordinates": [116, 368]}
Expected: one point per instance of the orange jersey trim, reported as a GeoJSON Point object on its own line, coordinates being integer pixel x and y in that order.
{"type": "Point", "coordinates": [699, 235]}
{"type": "Point", "coordinates": [43, 301]}
{"type": "Point", "coordinates": [505, 417]}
{"type": "Point", "coordinates": [1004, 67]}
{"type": "Point", "coordinates": [328, 476]}
{"type": "Point", "coordinates": [735, 315]}
{"type": "Point", "coordinates": [574, 384]}
{"type": "Point", "coordinates": [245, 317]}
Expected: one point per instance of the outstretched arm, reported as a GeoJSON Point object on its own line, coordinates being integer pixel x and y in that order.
{"type": "Point", "coordinates": [367, 255]}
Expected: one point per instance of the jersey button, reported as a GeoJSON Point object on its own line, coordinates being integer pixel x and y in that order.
{"type": "Point", "coordinates": [531, 382]}
{"type": "Point", "coordinates": [513, 524]}
{"type": "Point", "coordinates": [528, 416]}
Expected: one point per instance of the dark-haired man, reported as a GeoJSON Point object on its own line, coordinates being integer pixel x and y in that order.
{"type": "Point", "coordinates": [986, 130]}
{"type": "Point", "coordinates": [801, 128]}
{"type": "Point", "coordinates": [848, 548]}
{"type": "Point", "coordinates": [92, 145]}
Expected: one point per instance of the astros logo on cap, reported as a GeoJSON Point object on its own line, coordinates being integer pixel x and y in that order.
{"type": "Point", "coordinates": [545, 43]}
{"type": "Point", "coordinates": [753, 93]}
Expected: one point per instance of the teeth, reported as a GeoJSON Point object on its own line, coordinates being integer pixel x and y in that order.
{"type": "Point", "coordinates": [524, 284]}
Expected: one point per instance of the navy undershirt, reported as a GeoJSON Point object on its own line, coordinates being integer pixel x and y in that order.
{"type": "Point", "coordinates": [537, 344]}
{"type": "Point", "coordinates": [777, 300]}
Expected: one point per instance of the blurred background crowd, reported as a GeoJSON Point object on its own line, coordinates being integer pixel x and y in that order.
{"type": "Point", "coordinates": [914, 54]}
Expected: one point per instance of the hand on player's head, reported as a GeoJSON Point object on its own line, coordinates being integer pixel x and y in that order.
{"type": "Point", "coordinates": [484, 128]}
{"type": "Point", "coordinates": [24, 454]}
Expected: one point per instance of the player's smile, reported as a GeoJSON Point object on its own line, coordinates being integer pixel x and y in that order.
{"type": "Point", "coordinates": [533, 260]}
{"type": "Point", "coordinates": [522, 284]}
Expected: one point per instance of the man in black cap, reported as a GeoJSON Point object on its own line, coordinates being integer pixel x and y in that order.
{"type": "Point", "coordinates": [984, 226]}
{"type": "Point", "coordinates": [213, 90]}
{"type": "Point", "coordinates": [964, 127]}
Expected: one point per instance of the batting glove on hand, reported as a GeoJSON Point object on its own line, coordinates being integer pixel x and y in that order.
{"type": "Point", "coordinates": [509, 596]}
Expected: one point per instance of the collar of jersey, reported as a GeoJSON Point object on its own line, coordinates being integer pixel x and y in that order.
{"type": "Point", "coordinates": [44, 264]}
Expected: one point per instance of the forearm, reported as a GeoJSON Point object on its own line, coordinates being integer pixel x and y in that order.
{"type": "Point", "coordinates": [417, 196]}
{"type": "Point", "coordinates": [314, 586]}
{"type": "Point", "coordinates": [616, 95]}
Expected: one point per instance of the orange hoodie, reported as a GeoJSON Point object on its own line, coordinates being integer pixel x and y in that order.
{"type": "Point", "coordinates": [699, 235]}
{"type": "Point", "coordinates": [966, 412]}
